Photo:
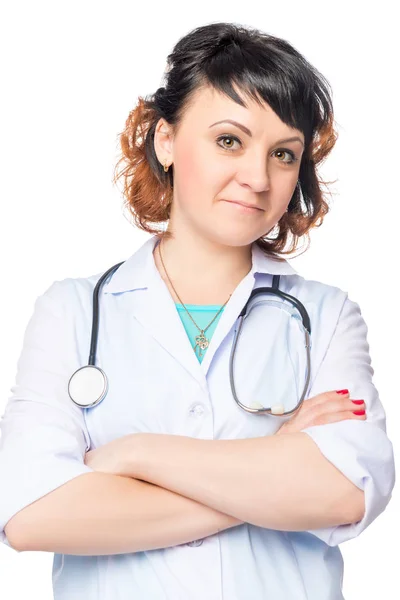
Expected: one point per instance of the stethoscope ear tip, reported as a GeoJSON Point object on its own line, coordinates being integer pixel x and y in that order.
{"type": "Point", "coordinates": [278, 409]}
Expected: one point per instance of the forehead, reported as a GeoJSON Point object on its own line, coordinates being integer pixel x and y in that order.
{"type": "Point", "coordinates": [209, 105]}
{"type": "Point", "coordinates": [208, 99]}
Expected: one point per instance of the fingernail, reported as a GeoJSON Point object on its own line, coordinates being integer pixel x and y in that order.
{"type": "Point", "coordinates": [359, 412]}
{"type": "Point", "coordinates": [358, 401]}
{"type": "Point", "coordinates": [342, 391]}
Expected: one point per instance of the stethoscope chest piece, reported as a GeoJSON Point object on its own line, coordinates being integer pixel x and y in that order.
{"type": "Point", "coordinates": [88, 386]}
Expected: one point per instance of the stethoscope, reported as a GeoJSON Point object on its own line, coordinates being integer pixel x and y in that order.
{"type": "Point", "coordinates": [88, 386]}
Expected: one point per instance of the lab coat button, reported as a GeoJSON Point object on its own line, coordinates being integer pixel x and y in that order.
{"type": "Point", "coordinates": [197, 410]}
{"type": "Point", "coordinates": [195, 543]}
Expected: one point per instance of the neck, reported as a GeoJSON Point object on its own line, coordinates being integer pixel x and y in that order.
{"type": "Point", "coordinates": [201, 272]}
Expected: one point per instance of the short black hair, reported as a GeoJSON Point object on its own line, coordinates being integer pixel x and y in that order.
{"type": "Point", "coordinates": [265, 68]}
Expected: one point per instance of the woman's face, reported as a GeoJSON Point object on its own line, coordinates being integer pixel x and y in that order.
{"type": "Point", "coordinates": [215, 164]}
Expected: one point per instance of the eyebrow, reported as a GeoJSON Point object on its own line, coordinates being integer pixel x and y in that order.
{"type": "Point", "coordinates": [246, 130]}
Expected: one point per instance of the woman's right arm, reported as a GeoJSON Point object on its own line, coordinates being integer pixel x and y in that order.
{"type": "Point", "coordinates": [99, 513]}
{"type": "Point", "coordinates": [51, 500]}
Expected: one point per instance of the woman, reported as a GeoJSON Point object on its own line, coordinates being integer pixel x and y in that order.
{"type": "Point", "coordinates": [184, 494]}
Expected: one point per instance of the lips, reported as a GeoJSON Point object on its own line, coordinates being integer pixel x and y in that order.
{"type": "Point", "coordinates": [243, 204]}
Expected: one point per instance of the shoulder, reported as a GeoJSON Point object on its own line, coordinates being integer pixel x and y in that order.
{"type": "Point", "coordinates": [317, 292]}
{"type": "Point", "coordinates": [72, 289]}
{"type": "Point", "coordinates": [317, 295]}
{"type": "Point", "coordinates": [69, 299]}
{"type": "Point", "coordinates": [332, 312]}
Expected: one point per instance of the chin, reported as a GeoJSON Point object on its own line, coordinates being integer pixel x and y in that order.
{"type": "Point", "coordinates": [235, 238]}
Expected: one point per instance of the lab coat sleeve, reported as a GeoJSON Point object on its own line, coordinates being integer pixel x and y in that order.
{"type": "Point", "coordinates": [43, 437]}
{"type": "Point", "coordinates": [361, 450]}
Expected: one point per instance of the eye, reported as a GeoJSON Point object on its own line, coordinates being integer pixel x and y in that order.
{"type": "Point", "coordinates": [281, 151]}
{"type": "Point", "coordinates": [292, 160]}
{"type": "Point", "coordinates": [227, 137]}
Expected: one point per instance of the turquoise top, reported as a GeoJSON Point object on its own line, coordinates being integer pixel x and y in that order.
{"type": "Point", "coordinates": [202, 314]}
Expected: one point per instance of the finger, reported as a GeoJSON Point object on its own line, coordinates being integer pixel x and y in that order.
{"type": "Point", "coordinates": [338, 407]}
{"type": "Point", "coordinates": [338, 416]}
{"type": "Point", "coordinates": [334, 402]}
{"type": "Point", "coordinates": [345, 405]}
{"type": "Point", "coordinates": [325, 398]}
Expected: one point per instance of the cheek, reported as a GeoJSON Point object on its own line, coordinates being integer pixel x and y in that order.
{"type": "Point", "coordinates": [280, 200]}
{"type": "Point", "coordinates": [189, 166]}
{"type": "Point", "coordinates": [190, 173]}
{"type": "Point", "coordinates": [197, 176]}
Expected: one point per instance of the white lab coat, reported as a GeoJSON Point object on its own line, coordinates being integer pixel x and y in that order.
{"type": "Point", "coordinates": [157, 384]}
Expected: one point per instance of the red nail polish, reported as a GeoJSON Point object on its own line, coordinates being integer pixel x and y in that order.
{"type": "Point", "coordinates": [359, 412]}
{"type": "Point", "coordinates": [358, 401]}
{"type": "Point", "coordinates": [342, 391]}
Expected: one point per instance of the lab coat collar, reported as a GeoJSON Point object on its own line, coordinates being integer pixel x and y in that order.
{"type": "Point", "coordinates": [139, 269]}
{"type": "Point", "coordinates": [154, 307]}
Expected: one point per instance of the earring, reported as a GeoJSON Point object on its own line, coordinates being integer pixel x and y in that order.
{"type": "Point", "coordinates": [165, 166]}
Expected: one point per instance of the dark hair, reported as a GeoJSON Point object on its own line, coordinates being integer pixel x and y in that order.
{"type": "Point", "coordinates": [263, 66]}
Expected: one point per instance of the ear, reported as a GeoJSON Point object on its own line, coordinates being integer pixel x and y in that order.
{"type": "Point", "coordinates": [164, 142]}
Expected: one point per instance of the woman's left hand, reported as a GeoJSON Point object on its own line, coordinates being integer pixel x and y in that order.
{"type": "Point", "coordinates": [117, 457]}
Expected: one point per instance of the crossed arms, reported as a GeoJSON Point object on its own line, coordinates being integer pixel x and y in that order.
{"type": "Point", "coordinates": [172, 489]}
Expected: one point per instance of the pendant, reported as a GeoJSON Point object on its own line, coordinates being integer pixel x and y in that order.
{"type": "Point", "coordinates": [202, 342]}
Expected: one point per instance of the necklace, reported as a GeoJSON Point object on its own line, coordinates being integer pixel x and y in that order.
{"type": "Point", "coordinates": [201, 340]}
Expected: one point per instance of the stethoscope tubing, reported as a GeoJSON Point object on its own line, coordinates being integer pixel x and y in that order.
{"type": "Point", "coordinates": [92, 377]}
{"type": "Point", "coordinates": [278, 409]}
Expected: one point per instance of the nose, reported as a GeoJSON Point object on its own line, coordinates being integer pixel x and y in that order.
{"type": "Point", "coordinates": [254, 174]}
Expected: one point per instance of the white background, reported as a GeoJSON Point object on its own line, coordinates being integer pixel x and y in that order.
{"type": "Point", "coordinates": [72, 71]}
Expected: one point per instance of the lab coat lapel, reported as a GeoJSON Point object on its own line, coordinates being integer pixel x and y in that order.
{"type": "Point", "coordinates": [146, 298]}
{"type": "Point", "coordinates": [155, 309]}
{"type": "Point", "coordinates": [228, 318]}
{"type": "Point", "coordinates": [151, 304]}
